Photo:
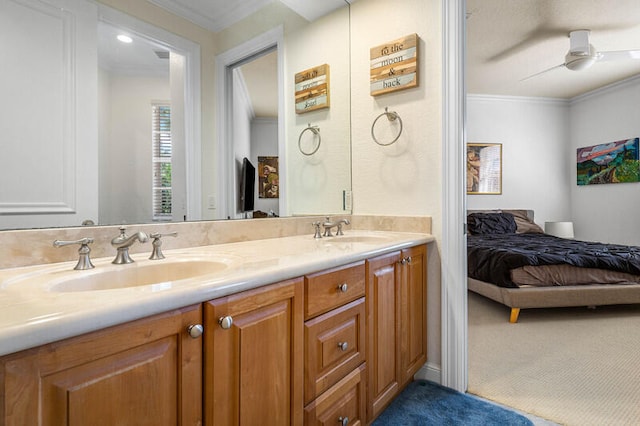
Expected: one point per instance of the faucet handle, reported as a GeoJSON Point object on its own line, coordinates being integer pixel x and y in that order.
{"type": "Point", "coordinates": [157, 243]}
{"type": "Point", "coordinates": [316, 225]}
{"type": "Point", "coordinates": [84, 261]}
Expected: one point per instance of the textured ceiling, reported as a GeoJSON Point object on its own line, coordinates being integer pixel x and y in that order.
{"type": "Point", "coordinates": [509, 40]}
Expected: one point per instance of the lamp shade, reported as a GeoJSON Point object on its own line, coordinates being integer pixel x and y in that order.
{"type": "Point", "coordinates": [559, 229]}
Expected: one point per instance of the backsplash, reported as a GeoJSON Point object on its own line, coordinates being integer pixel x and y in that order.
{"type": "Point", "coordinates": [35, 246]}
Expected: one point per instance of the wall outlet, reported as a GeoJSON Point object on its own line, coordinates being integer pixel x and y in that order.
{"type": "Point", "coordinates": [211, 204]}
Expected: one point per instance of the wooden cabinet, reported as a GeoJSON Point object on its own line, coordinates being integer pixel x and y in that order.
{"type": "Point", "coordinates": [397, 321]}
{"type": "Point", "coordinates": [333, 347]}
{"type": "Point", "coordinates": [147, 372]}
{"type": "Point", "coordinates": [335, 369]}
{"type": "Point", "coordinates": [413, 312]}
{"type": "Point", "coordinates": [254, 356]}
{"type": "Point", "coordinates": [343, 403]}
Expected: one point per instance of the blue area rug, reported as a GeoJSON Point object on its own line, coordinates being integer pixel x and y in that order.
{"type": "Point", "coordinates": [427, 403]}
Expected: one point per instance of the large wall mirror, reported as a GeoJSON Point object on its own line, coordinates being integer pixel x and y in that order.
{"type": "Point", "coordinates": [104, 131]}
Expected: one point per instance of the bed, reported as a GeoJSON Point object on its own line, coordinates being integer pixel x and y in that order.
{"type": "Point", "coordinates": [511, 261]}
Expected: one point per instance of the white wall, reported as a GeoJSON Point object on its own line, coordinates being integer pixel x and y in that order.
{"type": "Point", "coordinates": [406, 177]}
{"type": "Point", "coordinates": [540, 138]}
{"type": "Point", "coordinates": [534, 134]}
{"type": "Point", "coordinates": [608, 212]}
{"type": "Point", "coordinates": [264, 143]}
{"type": "Point", "coordinates": [315, 184]}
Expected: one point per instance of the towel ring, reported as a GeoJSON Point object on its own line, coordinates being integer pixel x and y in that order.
{"type": "Point", "coordinates": [391, 116]}
{"type": "Point", "coordinates": [316, 132]}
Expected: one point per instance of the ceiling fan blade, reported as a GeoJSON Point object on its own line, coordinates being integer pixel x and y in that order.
{"type": "Point", "coordinates": [619, 55]}
{"type": "Point", "coordinates": [542, 72]}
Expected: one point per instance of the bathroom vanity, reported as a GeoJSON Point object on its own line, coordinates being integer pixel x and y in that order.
{"type": "Point", "coordinates": [291, 330]}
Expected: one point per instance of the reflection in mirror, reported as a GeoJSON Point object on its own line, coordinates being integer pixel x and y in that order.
{"type": "Point", "coordinates": [74, 149]}
{"type": "Point", "coordinates": [255, 107]}
{"type": "Point", "coordinates": [318, 184]}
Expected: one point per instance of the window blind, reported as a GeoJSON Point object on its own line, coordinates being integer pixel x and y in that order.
{"type": "Point", "coordinates": [161, 158]}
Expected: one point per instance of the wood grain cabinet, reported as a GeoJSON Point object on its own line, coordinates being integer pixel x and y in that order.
{"type": "Point", "coordinates": [254, 357]}
{"type": "Point", "coordinates": [147, 372]}
{"type": "Point", "coordinates": [335, 368]}
{"type": "Point", "coordinates": [397, 322]}
{"type": "Point", "coordinates": [332, 347]}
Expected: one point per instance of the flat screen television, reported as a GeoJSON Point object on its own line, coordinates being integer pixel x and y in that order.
{"type": "Point", "coordinates": [247, 185]}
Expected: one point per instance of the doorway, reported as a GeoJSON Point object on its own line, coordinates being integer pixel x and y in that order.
{"type": "Point", "coordinates": [239, 118]}
{"type": "Point", "coordinates": [151, 70]}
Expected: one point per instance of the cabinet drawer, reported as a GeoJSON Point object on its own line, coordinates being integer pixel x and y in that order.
{"type": "Point", "coordinates": [344, 401]}
{"type": "Point", "coordinates": [332, 288]}
{"type": "Point", "coordinates": [335, 345]}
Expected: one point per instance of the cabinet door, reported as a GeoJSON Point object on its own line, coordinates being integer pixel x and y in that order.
{"type": "Point", "coordinates": [253, 359]}
{"type": "Point", "coordinates": [383, 332]}
{"type": "Point", "coordinates": [148, 372]}
{"type": "Point", "coordinates": [413, 312]}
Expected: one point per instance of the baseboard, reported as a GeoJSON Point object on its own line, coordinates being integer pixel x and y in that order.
{"type": "Point", "coordinates": [429, 372]}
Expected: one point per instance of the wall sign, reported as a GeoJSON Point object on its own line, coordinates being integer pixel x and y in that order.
{"type": "Point", "coordinates": [312, 89]}
{"type": "Point", "coordinates": [394, 65]}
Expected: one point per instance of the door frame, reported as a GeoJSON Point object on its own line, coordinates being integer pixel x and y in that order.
{"type": "Point", "coordinates": [454, 343]}
{"type": "Point", "coordinates": [224, 107]}
{"type": "Point", "coordinates": [192, 112]}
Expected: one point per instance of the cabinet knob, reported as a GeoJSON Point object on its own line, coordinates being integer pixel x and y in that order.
{"type": "Point", "coordinates": [225, 322]}
{"type": "Point", "coordinates": [409, 259]}
{"type": "Point", "coordinates": [344, 421]}
{"type": "Point", "coordinates": [343, 346]}
{"type": "Point", "coordinates": [195, 330]}
{"type": "Point", "coordinates": [405, 260]}
{"type": "Point", "coordinates": [343, 287]}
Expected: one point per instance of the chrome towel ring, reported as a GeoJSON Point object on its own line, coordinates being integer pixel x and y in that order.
{"type": "Point", "coordinates": [391, 116]}
{"type": "Point", "coordinates": [316, 132]}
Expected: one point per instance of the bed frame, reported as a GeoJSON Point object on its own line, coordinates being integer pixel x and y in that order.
{"type": "Point", "coordinates": [554, 296]}
{"type": "Point", "coordinates": [557, 297]}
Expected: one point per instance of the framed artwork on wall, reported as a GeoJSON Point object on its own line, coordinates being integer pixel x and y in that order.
{"type": "Point", "coordinates": [613, 162]}
{"type": "Point", "coordinates": [484, 168]}
{"type": "Point", "coordinates": [268, 180]}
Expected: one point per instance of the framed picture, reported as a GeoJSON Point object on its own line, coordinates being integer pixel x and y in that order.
{"type": "Point", "coordinates": [613, 162]}
{"type": "Point", "coordinates": [268, 180]}
{"type": "Point", "coordinates": [484, 168]}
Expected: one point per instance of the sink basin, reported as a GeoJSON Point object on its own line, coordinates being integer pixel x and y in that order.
{"type": "Point", "coordinates": [367, 239]}
{"type": "Point", "coordinates": [135, 275]}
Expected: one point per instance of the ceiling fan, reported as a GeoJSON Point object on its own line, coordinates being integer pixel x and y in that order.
{"type": "Point", "coordinates": [582, 54]}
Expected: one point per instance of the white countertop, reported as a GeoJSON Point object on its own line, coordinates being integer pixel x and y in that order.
{"type": "Point", "coordinates": [33, 312]}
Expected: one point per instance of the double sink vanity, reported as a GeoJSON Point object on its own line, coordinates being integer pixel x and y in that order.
{"type": "Point", "coordinates": [289, 329]}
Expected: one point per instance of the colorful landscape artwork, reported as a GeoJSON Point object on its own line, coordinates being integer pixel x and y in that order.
{"type": "Point", "coordinates": [613, 162]}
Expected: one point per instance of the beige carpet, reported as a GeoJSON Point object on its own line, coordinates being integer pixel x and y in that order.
{"type": "Point", "coordinates": [574, 366]}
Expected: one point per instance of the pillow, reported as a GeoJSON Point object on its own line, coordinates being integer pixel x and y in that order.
{"type": "Point", "coordinates": [491, 223]}
{"type": "Point", "coordinates": [523, 223]}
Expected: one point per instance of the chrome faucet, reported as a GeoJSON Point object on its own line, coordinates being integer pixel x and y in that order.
{"type": "Point", "coordinates": [328, 224]}
{"type": "Point", "coordinates": [122, 242]}
{"type": "Point", "coordinates": [84, 261]}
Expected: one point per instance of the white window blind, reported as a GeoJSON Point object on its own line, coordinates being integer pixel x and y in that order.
{"type": "Point", "coordinates": [162, 151]}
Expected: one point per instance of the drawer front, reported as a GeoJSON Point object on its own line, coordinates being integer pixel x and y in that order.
{"type": "Point", "coordinates": [335, 345]}
{"type": "Point", "coordinates": [332, 288]}
{"type": "Point", "coordinates": [344, 403]}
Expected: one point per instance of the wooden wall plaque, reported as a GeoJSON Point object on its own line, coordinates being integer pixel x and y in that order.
{"type": "Point", "coordinates": [312, 89]}
{"type": "Point", "coordinates": [394, 65]}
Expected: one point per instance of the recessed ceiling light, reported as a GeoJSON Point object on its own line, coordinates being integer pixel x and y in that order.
{"type": "Point", "coordinates": [125, 38]}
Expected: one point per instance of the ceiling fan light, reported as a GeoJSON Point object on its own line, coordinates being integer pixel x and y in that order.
{"type": "Point", "coordinates": [578, 62]}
